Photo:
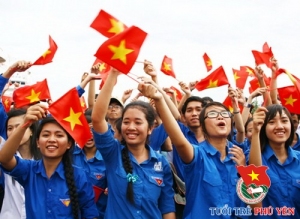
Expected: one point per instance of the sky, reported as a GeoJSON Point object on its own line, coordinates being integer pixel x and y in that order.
{"type": "Point", "coordinates": [183, 30]}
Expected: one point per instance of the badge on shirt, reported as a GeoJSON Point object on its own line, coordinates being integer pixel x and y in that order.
{"type": "Point", "coordinates": [158, 180]}
{"type": "Point", "coordinates": [158, 166]}
{"type": "Point", "coordinates": [66, 202]}
{"type": "Point", "coordinates": [98, 175]}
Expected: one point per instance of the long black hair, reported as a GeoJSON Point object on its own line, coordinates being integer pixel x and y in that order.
{"type": "Point", "coordinates": [68, 168]}
{"type": "Point", "coordinates": [34, 151]}
{"type": "Point", "coordinates": [150, 116]}
{"type": "Point", "coordinates": [272, 112]}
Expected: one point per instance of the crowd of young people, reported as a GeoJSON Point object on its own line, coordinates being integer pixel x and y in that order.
{"type": "Point", "coordinates": [125, 169]}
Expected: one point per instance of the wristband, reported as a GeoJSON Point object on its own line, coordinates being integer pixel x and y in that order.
{"type": "Point", "coordinates": [247, 105]}
{"type": "Point", "coordinates": [236, 112]}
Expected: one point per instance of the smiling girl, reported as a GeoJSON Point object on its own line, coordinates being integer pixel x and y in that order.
{"type": "Point", "coordinates": [53, 187]}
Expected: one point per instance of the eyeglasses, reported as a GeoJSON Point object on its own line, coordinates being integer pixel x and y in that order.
{"type": "Point", "coordinates": [215, 114]}
{"type": "Point", "coordinates": [116, 107]}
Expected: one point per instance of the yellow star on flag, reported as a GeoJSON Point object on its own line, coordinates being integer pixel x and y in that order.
{"type": "Point", "coordinates": [209, 63]}
{"type": "Point", "coordinates": [102, 67]}
{"type": "Point", "coordinates": [34, 97]}
{"type": "Point", "coordinates": [6, 102]}
{"type": "Point", "coordinates": [116, 26]}
{"type": "Point", "coordinates": [73, 118]}
{"type": "Point", "coordinates": [46, 53]}
{"type": "Point", "coordinates": [254, 176]}
{"type": "Point", "coordinates": [236, 76]}
{"type": "Point", "coordinates": [167, 67]}
{"type": "Point", "coordinates": [290, 100]}
{"type": "Point", "coordinates": [120, 52]}
{"type": "Point", "coordinates": [230, 109]}
{"type": "Point", "coordinates": [250, 72]}
{"type": "Point", "coordinates": [212, 84]}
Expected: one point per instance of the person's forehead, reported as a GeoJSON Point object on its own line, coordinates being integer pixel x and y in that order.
{"type": "Point", "coordinates": [215, 108]}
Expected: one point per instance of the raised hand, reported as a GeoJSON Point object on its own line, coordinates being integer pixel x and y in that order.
{"type": "Point", "coordinates": [149, 69]}
{"type": "Point", "coordinates": [238, 155]}
{"type": "Point", "coordinates": [259, 118]}
{"type": "Point", "coordinates": [149, 91]}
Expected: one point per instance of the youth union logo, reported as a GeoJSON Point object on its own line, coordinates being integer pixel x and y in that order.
{"type": "Point", "coordinates": [253, 184]}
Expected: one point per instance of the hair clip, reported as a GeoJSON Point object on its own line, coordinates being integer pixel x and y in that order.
{"type": "Point", "coordinates": [132, 177]}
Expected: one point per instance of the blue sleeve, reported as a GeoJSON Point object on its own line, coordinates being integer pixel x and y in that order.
{"type": "Point", "coordinates": [21, 171]}
{"type": "Point", "coordinates": [158, 137]}
{"type": "Point", "coordinates": [3, 115]}
{"type": "Point", "coordinates": [1, 178]}
{"type": "Point", "coordinates": [80, 90]}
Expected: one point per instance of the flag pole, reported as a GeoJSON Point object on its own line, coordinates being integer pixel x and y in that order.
{"type": "Point", "coordinates": [133, 78]}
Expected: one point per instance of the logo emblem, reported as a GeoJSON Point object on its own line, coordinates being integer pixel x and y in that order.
{"type": "Point", "coordinates": [66, 202]}
{"type": "Point", "coordinates": [98, 175]}
{"type": "Point", "coordinates": [159, 181]}
{"type": "Point", "coordinates": [254, 183]}
{"type": "Point", "coordinates": [158, 166]}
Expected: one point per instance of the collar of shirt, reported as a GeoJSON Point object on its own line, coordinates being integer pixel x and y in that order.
{"type": "Point", "coordinates": [80, 151]}
{"type": "Point", "coordinates": [40, 168]}
{"type": "Point", "coordinates": [153, 155]}
{"type": "Point", "coordinates": [268, 153]}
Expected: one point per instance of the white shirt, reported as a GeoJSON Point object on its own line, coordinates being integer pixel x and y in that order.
{"type": "Point", "coordinates": [14, 199]}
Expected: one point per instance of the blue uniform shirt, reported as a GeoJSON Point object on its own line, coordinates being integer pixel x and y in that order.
{"type": "Point", "coordinates": [285, 182]}
{"type": "Point", "coordinates": [96, 172]}
{"type": "Point", "coordinates": [3, 115]}
{"type": "Point", "coordinates": [210, 182]}
{"type": "Point", "coordinates": [158, 138]}
{"type": "Point", "coordinates": [188, 134]}
{"type": "Point", "coordinates": [153, 193]}
{"type": "Point", "coordinates": [297, 145]}
{"type": "Point", "coordinates": [49, 198]}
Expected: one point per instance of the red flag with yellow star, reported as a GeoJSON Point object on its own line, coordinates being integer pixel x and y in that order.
{"type": "Point", "coordinates": [48, 55]}
{"type": "Point", "coordinates": [83, 103]}
{"type": "Point", "coordinates": [107, 25]}
{"type": "Point", "coordinates": [103, 68]}
{"type": "Point", "coordinates": [215, 79]}
{"type": "Point", "coordinates": [252, 174]}
{"type": "Point", "coordinates": [68, 113]}
{"type": "Point", "coordinates": [167, 67]}
{"type": "Point", "coordinates": [227, 102]}
{"type": "Point", "coordinates": [248, 70]}
{"type": "Point", "coordinates": [240, 78]}
{"type": "Point", "coordinates": [7, 101]}
{"type": "Point", "coordinates": [122, 50]}
{"type": "Point", "coordinates": [290, 98]}
{"type": "Point", "coordinates": [178, 94]}
{"type": "Point", "coordinates": [293, 78]}
{"type": "Point", "coordinates": [31, 94]}
{"type": "Point", "coordinates": [267, 50]}
{"type": "Point", "coordinates": [207, 62]}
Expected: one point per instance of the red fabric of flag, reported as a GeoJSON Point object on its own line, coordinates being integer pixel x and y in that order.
{"type": "Point", "coordinates": [254, 84]}
{"type": "Point", "coordinates": [103, 68]}
{"type": "Point", "coordinates": [48, 55]}
{"type": "Point", "coordinates": [68, 113]}
{"type": "Point", "coordinates": [240, 78]}
{"type": "Point", "coordinates": [227, 102]}
{"type": "Point", "coordinates": [207, 62]}
{"type": "Point", "coordinates": [215, 79]}
{"type": "Point", "coordinates": [107, 25]}
{"type": "Point", "coordinates": [290, 98]}
{"type": "Point", "coordinates": [167, 67]}
{"type": "Point", "coordinates": [262, 58]}
{"type": "Point", "coordinates": [248, 70]}
{"type": "Point", "coordinates": [122, 50]}
{"type": "Point", "coordinates": [293, 78]}
{"type": "Point", "coordinates": [267, 49]}
{"type": "Point", "coordinates": [252, 174]}
{"type": "Point", "coordinates": [178, 94]}
{"type": "Point", "coordinates": [7, 101]}
{"type": "Point", "coordinates": [83, 103]}
{"type": "Point", "coordinates": [31, 94]}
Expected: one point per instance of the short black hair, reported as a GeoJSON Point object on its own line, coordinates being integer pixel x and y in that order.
{"type": "Point", "coordinates": [192, 99]}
